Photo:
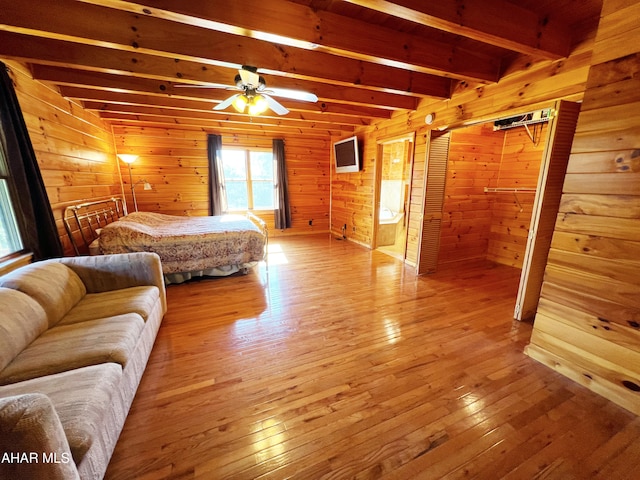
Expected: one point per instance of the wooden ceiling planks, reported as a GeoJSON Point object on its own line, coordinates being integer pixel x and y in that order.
{"type": "Point", "coordinates": [363, 59]}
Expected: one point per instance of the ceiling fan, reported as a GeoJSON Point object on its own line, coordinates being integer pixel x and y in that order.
{"type": "Point", "coordinates": [254, 97]}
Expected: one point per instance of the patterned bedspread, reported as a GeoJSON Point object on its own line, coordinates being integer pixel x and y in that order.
{"type": "Point", "coordinates": [186, 243]}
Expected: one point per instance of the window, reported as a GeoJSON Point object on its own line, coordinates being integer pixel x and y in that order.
{"type": "Point", "coordinates": [10, 241]}
{"type": "Point", "coordinates": [249, 179]}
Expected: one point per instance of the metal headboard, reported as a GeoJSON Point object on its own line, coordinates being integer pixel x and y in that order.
{"type": "Point", "coordinates": [83, 220]}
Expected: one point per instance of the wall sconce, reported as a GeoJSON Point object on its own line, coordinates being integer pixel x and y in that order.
{"type": "Point", "coordinates": [129, 159]}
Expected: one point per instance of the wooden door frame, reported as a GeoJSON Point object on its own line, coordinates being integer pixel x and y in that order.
{"type": "Point", "coordinates": [380, 143]}
{"type": "Point", "coordinates": [544, 206]}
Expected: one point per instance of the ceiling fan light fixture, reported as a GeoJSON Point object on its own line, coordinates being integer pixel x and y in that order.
{"type": "Point", "coordinates": [258, 105]}
{"type": "Point", "coordinates": [255, 98]}
{"type": "Point", "coordinates": [240, 103]}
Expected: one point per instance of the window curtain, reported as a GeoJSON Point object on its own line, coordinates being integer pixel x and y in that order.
{"type": "Point", "coordinates": [217, 200]}
{"type": "Point", "coordinates": [283, 210]}
{"type": "Point", "coordinates": [31, 205]}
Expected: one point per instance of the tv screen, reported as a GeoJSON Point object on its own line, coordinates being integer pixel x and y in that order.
{"type": "Point", "coordinates": [346, 155]}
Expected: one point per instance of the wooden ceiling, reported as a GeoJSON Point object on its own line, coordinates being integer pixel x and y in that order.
{"type": "Point", "coordinates": [141, 62]}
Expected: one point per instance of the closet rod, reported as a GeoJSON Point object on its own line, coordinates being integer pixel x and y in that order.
{"type": "Point", "coordinates": [515, 191]}
{"type": "Point", "coordinates": [509, 190]}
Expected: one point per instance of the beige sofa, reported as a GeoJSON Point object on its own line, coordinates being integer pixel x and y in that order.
{"type": "Point", "coordinates": [75, 336]}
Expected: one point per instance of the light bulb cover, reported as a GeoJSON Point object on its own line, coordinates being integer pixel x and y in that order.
{"type": "Point", "coordinates": [127, 157]}
{"type": "Point", "coordinates": [240, 103]}
{"type": "Point", "coordinates": [258, 105]}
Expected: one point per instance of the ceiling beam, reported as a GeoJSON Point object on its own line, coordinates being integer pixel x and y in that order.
{"type": "Point", "coordinates": [100, 59]}
{"type": "Point", "coordinates": [234, 125]}
{"type": "Point", "coordinates": [89, 24]}
{"type": "Point", "coordinates": [360, 114]}
{"type": "Point", "coordinates": [188, 108]}
{"type": "Point", "coordinates": [498, 22]}
{"type": "Point", "coordinates": [290, 121]}
{"type": "Point", "coordinates": [294, 24]}
{"type": "Point", "coordinates": [122, 82]}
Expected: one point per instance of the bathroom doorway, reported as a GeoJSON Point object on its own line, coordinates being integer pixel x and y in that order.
{"type": "Point", "coordinates": [393, 180]}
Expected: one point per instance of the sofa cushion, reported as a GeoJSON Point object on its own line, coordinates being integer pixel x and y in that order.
{"type": "Point", "coordinates": [140, 300]}
{"type": "Point", "coordinates": [31, 427]}
{"type": "Point", "coordinates": [66, 347]}
{"type": "Point", "coordinates": [54, 286]}
{"type": "Point", "coordinates": [21, 321]}
{"type": "Point", "coordinates": [81, 399]}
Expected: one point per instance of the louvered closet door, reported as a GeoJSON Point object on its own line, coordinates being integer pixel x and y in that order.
{"type": "Point", "coordinates": [435, 176]}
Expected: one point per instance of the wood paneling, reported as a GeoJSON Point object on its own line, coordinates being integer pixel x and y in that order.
{"type": "Point", "coordinates": [520, 90]}
{"type": "Point", "coordinates": [597, 227]}
{"type": "Point", "coordinates": [474, 163]}
{"type": "Point", "coordinates": [174, 161]}
{"type": "Point", "coordinates": [352, 194]}
{"type": "Point", "coordinates": [74, 148]}
{"type": "Point", "coordinates": [545, 208]}
{"type": "Point", "coordinates": [587, 323]}
{"type": "Point", "coordinates": [511, 212]}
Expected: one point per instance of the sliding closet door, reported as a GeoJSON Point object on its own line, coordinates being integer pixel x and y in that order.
{"type": "Point", "coordinates": [545, 208]}
{"type": "Point", "coordinates": [435, 177]}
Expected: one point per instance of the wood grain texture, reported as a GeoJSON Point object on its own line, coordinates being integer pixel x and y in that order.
{"type": "Point", "coordinates": [593, 266]}
{"type": "Point", "coordinates": [74, 148]}
{"type": "Point", "coordinates": [522, 89]}
{"type": "Point", "coordinates": [337, 362]}
{"type": "Point", "coordinates": [174, 161]}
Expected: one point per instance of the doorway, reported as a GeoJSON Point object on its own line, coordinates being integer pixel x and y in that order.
{"type": "Point", "coordinates": [501, 196]}
{"type": "Point", "coordinates": [393, 184]}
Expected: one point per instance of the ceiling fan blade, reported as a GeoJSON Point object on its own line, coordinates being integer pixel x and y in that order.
{"type": "Point", "coordinates": [293, 94]}
{"type": "Point", "coordinates": [249, 78]}
{"type": "Point", "coordinates": [211, 85]}
{"type": "Point", "coordinates": [274, 105]}
{"type": "Point", "coordinates": [225, 103]}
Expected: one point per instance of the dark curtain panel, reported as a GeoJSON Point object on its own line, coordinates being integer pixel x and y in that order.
{"type": "Point", "coordinates": [283, 210]}
{"type": "Point", "coordinates": [216, 196]}
{"type": "Point", "coordinates": [32, 207]}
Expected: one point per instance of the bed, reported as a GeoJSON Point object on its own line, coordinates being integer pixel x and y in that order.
{"type": "Point", "coordinates": [188, 246]}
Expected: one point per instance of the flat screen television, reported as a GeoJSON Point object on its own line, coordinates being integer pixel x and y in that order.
{"type": "Point", "coordinates": [347, 155]}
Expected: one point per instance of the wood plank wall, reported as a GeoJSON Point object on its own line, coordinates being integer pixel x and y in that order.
{"type": "Point", "coordinates": [537, 87]}
{"type": "Point", "coordinates": [494, 226]}
{"type": "Point", "coordinates": [588, 321]}
{"type": "Point", "coordinates": [511, 213]}
{"type": "Point", "coordinates": [174, 161]}
{"type": "Point", "coordinates": [352, 196]}
{"type": "Point", "coordinates": [474, 163]}
{"type": "Point", "coordinates": [74, 147]}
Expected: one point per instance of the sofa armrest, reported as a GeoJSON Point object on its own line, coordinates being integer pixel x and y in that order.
{"type": "Point", "coordinates": [32, 441]}
{"type": "Point", "coordinates": [103, 273]}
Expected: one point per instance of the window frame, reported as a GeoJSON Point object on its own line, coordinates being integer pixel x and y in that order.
{"type": "Point", "coordinates": [249, 181]}
{"type": "Point", "coordinates": [8, 206]}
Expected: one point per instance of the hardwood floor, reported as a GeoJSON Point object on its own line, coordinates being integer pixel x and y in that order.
{"type": "Point", "coordinates": [337, 362]}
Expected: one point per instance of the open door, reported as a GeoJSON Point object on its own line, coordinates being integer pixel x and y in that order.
{"type": "Point", "coordinates": [545, 208]}
{"type": "Point", "coordinates": [393, 184]}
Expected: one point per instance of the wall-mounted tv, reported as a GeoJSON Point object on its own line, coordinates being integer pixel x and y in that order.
{"type": "Point", "coordinates": [347, 156]}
